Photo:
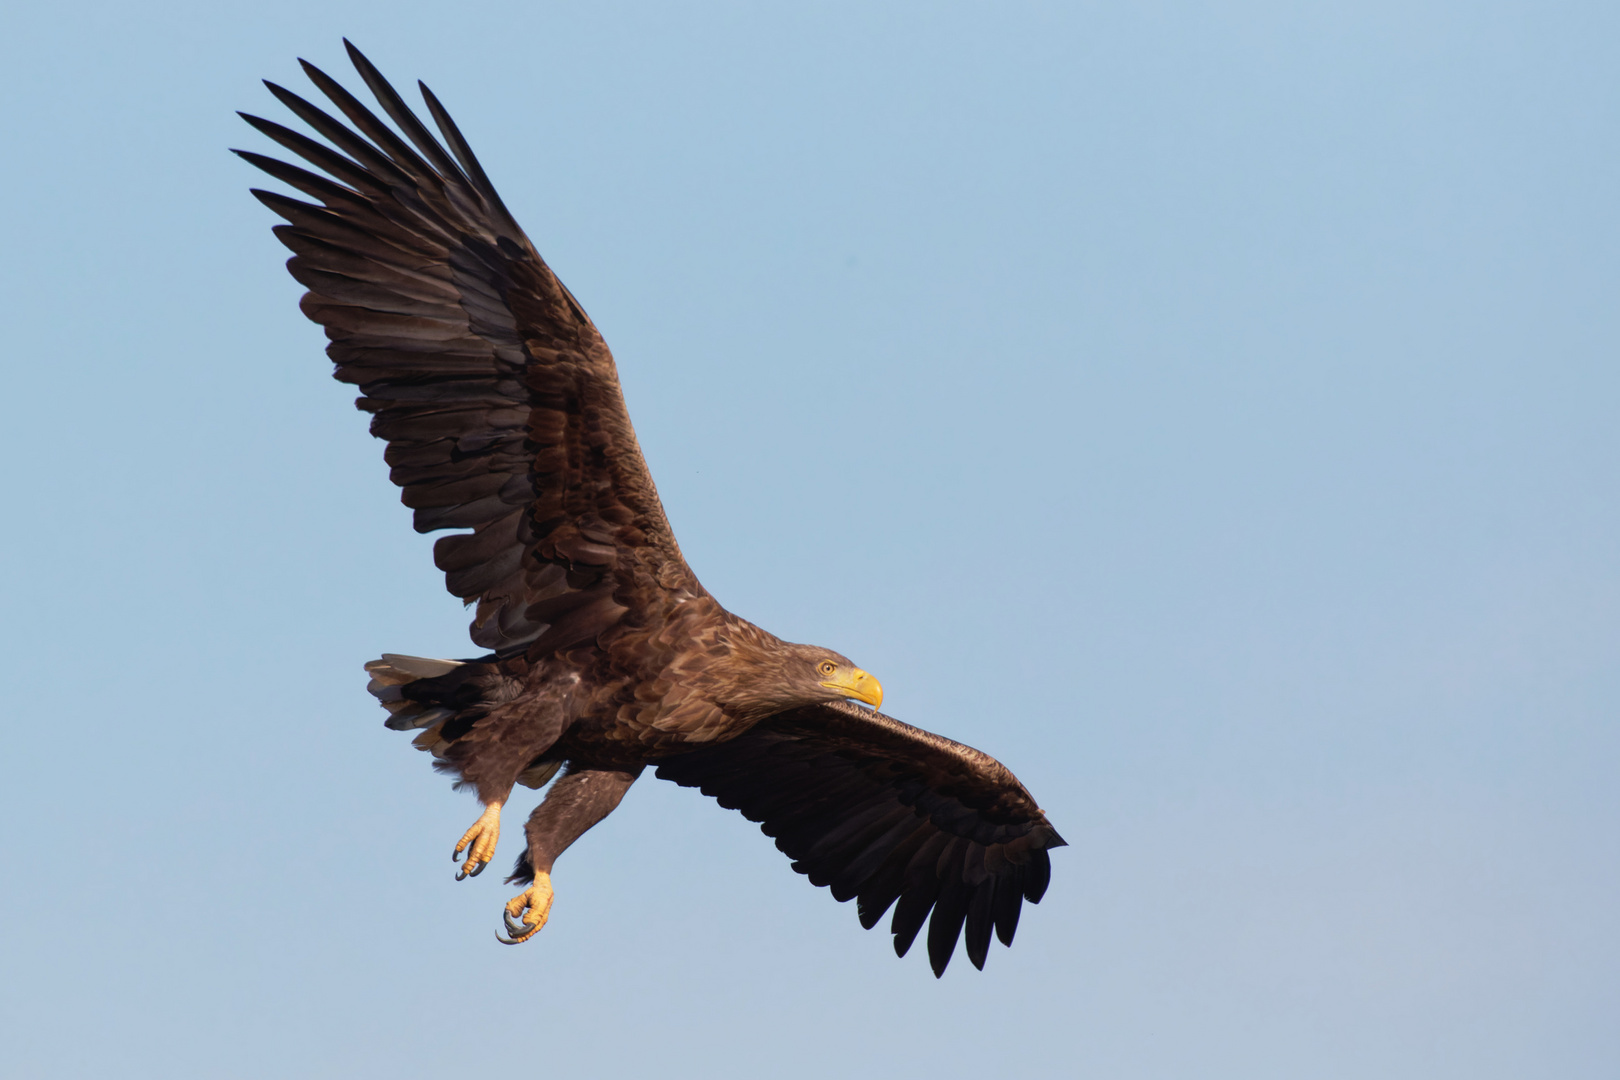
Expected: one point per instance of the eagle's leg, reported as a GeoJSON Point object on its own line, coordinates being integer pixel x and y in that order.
{"type": "Point", "coordinates": [479, 841]}
{"type": "Point", "coordinates": [491, 757]}
{"type": "Point", "coordinates": [579, 800]}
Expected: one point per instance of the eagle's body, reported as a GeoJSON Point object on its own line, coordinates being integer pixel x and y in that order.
{"type": "Point", "coordinates": [502, 412]}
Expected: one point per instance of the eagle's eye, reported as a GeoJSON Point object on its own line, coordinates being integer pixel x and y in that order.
{"type": "Point", "coordinates": [826, 667]}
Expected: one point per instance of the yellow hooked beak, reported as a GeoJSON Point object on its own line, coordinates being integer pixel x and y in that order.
{"type": "Point", "coordinates": [858, 685]}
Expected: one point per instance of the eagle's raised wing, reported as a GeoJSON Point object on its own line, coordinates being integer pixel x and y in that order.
{"type": "Point", "coordinates": [887, 814]}
{"type": "Point", "coordinates": [498, 398]}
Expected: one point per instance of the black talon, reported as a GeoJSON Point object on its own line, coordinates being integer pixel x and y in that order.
{"type": "Point", "coordinates": [513, 927]}
{"type": "Point", "coordinates": [455, 855]}
{"type": "Point", "coordinates": [506, 940]}
{"type": "Point", "coordinates": [462, 876]}
{"type": "Point", "coordinates": [479, 869]}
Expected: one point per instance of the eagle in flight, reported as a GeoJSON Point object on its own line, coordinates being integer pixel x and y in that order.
{"type": "Point", "coordinates": [501, 409]}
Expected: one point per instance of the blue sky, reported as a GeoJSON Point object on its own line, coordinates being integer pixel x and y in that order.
{"type": "Point", "coordinates": [1208, 409]}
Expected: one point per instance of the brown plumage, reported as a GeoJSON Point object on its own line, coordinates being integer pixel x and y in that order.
{"type": "Point", "coordinates": [501, 408]}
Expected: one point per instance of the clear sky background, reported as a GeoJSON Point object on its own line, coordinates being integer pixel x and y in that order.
{"type": "Point", "coordinates": [1208, 409]}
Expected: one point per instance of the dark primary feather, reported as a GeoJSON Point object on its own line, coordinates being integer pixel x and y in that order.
{"type": "Point", "coordinates": [889, 815]}
{"type": "Point", "coordinates": [498, 398]}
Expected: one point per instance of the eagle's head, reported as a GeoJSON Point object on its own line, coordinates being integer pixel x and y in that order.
{"type": "Point", "coordinates": [770, 675]}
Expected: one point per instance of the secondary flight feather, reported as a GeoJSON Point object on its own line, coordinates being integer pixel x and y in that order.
{"type": "Point", "coordinates": [500, 406]}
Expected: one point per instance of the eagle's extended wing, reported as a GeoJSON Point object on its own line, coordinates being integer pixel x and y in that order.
{"type": "Point", "coordinates": [885, 812]}
{"type": "Point", "coordinates": [498, 398]}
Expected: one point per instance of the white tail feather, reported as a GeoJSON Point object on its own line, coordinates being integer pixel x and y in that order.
{"type": "Point", "coordinates": [393, 671]}
{"type": "Point", "coordinates": [397, 668]}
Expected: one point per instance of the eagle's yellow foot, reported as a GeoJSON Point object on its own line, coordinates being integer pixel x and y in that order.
{"type": "Point", "coordinates": [526, 913]}
{"type": "Point", "coordinates": [482, 837]}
